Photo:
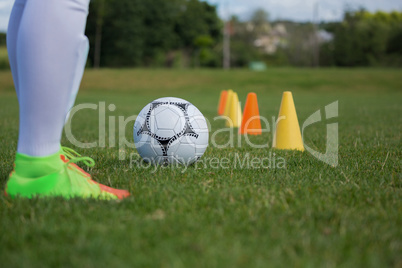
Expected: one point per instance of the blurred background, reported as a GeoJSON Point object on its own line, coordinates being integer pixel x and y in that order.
{"type": "Point", "coordinates": [251, 34]}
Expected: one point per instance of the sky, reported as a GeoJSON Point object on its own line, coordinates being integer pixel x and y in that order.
{"type": "Point", "coordinates": [297, 10]}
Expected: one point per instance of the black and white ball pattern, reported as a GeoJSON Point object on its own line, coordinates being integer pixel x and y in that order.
{"type": "Point", "coordinates": [170, 130]}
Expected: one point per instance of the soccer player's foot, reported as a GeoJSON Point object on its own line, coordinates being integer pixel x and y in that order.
{"type": "Point", "coordinates": [57, 176]}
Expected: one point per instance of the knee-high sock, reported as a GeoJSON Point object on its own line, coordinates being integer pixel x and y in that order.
{"type": "Point", "coordinates": [50, 45]}
{"type": "Point", "coordinates": [82, 56]}
{"type": "Point", "coordinates": [12, 33]}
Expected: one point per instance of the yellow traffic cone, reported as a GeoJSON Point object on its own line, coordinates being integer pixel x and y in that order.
{"type": "Point", "coordinates": [228, 103]}
{"type": "Point", "coordinates": [234, 112]}
{"type": "Point", "coordinates": [287, 135]}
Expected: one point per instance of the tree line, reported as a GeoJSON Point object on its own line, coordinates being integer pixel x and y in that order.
{"type": "Point", "coordinates": [189, 33]}
{"type": "Point", "coordinates": [360, 39]}
{"type": "Point", "coordinates": [366, 39]}
{"type": "Point", "coordinates": [153, 33]}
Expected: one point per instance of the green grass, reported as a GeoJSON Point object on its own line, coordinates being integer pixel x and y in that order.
{"type": "Point", "coordinates": [4, 65]}
{"type": "Point", "coordinates": [306, 215]}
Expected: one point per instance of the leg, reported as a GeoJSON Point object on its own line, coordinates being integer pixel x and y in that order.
{"type": "Point", "coordinates": [12, 33]}
{"type": "Point", "coordinates": [50, 41]}
{"type": "Point", "coordinates": [48, 53]}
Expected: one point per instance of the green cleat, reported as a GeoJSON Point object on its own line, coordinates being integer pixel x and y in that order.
{"type": "Point", "coordinates": [63, 178]}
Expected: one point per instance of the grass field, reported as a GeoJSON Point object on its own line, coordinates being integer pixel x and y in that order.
{"type": "Point", "coordinates": [305, 215]}
{"type": "Point", "coordinates": [4, 65]}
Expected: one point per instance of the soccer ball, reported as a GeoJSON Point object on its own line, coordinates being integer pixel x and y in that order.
{"type": "Point", "coordinates": [170, 131]}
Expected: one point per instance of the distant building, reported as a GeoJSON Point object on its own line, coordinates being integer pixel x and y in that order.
{"type": "Point", "coordinates": [271, 40]}
{"type": "Point", "coordinates": [324, 36]}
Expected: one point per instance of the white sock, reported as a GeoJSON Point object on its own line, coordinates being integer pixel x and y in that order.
{"type": "Point", "coordinates": [12, 32]}
{"type": "Point", "coordinates": [47, 63]}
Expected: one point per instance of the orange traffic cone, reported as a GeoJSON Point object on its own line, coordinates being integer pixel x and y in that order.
{"type": "Point", "coordinates": [251, 123]}
{"type": "Point", "coordinates": [287, 135]}
{"type": "Point", "coordinates": [222, 102]}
